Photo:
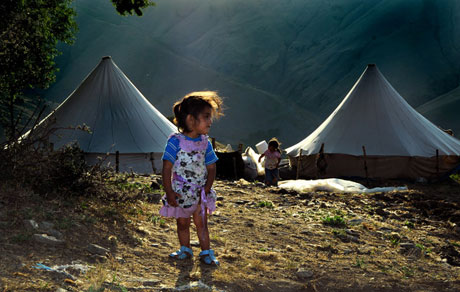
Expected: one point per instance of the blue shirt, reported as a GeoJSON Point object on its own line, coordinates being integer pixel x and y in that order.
{"type": "Point", "coordinates": [172, 147]}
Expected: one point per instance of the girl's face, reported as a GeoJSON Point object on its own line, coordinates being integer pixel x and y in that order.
{"type": "Point", "coordinates": [271, 148]}
{"type": "Point", "coordinates": [202, 125]}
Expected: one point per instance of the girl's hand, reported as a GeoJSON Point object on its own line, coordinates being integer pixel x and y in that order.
{"type": "Point", "coordinates": [261, 156]}
{"type": "Point", "coordinates": [171, 198]}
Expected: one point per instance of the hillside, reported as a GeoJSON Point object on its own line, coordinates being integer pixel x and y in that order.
{"type": "Point", "coordinates": [444, 110]}
{"type": "Point", "coordinates": [296, 58]}
{"type": "Point", "coordinates": [267, 239]}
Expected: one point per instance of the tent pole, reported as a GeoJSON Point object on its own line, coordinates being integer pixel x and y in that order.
{"type": "Point", "coordinates": [234, 168]}
{"type": "Point", "coordinates": [321, 163]}
{"type": "Point", "coordinates": [152, 159]}
{"type": "Point", "coordinates": [437, 163]}
{"type": "Point", "coordinates": [117, 161]}
{"type": "Point", "coordinates": [299, 160]}
{"type": "Point", "coordinates": [240, 148]}
{"type": "Point", "coordinates": [365, 163]}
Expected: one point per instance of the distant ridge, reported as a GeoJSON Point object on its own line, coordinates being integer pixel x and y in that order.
{"type": "Point", "coordinates": [299, 56]}
{"type": "Point", "coordinates": [444, 111]}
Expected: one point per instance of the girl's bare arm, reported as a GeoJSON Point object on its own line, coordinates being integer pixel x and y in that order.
{"type": "Point", "coordinates": [211, 168]}
{"type": "Point", "coordinates": [166, 174]}
{"type": "Point", "coordinates": [260, 157]}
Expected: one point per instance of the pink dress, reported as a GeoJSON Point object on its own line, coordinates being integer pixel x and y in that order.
{"type": "Point", "coordinates": [189, 177]}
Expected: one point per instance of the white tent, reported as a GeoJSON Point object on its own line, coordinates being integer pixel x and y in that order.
{"type": "Point", "coordinates": [120, 119]}
{"type": "Point", "coordinates": [374, 132]}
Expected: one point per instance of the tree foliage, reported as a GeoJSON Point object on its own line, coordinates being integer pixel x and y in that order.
{"type": "Point", "coordinates": [125, 7]}
{"type": "Point", "coordinates": [29, 33]}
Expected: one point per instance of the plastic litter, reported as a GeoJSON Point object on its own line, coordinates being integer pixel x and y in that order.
{"type": "Point", "coordinates": [63, 269]}
{"type": "Point", "coordinates": [250, 168]}
{"type": "Point", "coordinates": [249, 152]}
{"type": "Point", "coordinates": [334, 185]}
{"type": "Point", "coordinates": [42, 267]}
{"type": "Point", "coordinates": [261, 147]}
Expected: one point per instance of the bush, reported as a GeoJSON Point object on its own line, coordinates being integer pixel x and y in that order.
{"type": "Point", "coordinates": [32, 164]}
{"type": "Point", "coordinates": [455, 177]}
{"type": "Point", "coordinates": [64, 171]}
{"type": "Point", "coordinates": [46, 171]}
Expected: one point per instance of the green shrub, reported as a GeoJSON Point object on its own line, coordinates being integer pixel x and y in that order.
{"type": "Point", "coordinates": [337, 221]}
{"type": "Point", "coordinates": [48, 172]}
{"type": "Point", "coordinates": [455, 177]}
{"type": "Point", "coordinates": [265, 204]}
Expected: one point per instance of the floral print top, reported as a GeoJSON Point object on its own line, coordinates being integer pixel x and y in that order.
{"type": "Point", "coordinates": [189, 170]}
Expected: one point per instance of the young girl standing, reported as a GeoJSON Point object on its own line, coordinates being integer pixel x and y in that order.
{"type": "Point", "coordinates": [272, 161]}
{"type": "Point", "coordinates": [189, 170]}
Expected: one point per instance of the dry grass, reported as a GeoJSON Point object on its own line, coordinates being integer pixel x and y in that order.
{"type": "Point", "coordinates": [258, 246]}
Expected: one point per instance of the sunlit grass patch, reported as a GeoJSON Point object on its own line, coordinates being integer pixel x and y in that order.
{"type": "Point", "coordinates": [359, 262]}
{"type": "Point", "coordinates": [407, 271]}
{"type": "Point", "coordinates": [104, 277]}
{"type": "Point", "coordinates": [336, 221]}
{"type": "Point", "coordinates": [219, 240]}
{"type": "Point", "coordinates": [96, 277]}
{"type": "Point", "coordinates": [268, 256]}
{"type": "Point", "coordinates": [230, 257]}
{"type": "Point", "coordinates": [455, 243]}
{"type": "Point", "coordinates": [257, 265]}
{"type": "Point", "coordinates": [394, 238]}
{"type": "Point", "coordinates": [291, 265]}
{"type": "Point", "coordinates": [230, 273]}
{"type": "Point", "coordinates": [339, 232]}
{"type": "Point", "coordinates": [157, 220]}
{"type": "Point", "coordinates": [265, 204]}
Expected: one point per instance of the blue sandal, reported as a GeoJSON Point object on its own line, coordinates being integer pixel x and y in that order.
{"type": "Point", "coordinates": [182, 254]}
{"type": "Point", "coordinates": [207, 256]}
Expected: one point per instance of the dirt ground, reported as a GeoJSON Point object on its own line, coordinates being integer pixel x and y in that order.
{"type": "Point", "coordinates": [266, 239]}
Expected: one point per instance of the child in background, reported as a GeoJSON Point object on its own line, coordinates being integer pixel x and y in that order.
{"type": "Point", "coordinates": [189, 170]}
{"type": "Point", "coordinates": [272, 161]}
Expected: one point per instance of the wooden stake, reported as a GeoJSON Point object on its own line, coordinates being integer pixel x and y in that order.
{"type": "Point", "coordinates": [299, 161]}
{"type": "Point", "coordinates": [240, 148]}
{"type": "Point", "coordinates": [117, 161]}
{"type": "Point", "coordinates": [365, 162]}
{"type": "Point", "coordinates": [321, 163]}
{"type": "Point", "coordinates": [152, 161]}
{"type": "Point", "coordinates": [234, 168]}
{"type": "Point", "coordinates": [437, 163]}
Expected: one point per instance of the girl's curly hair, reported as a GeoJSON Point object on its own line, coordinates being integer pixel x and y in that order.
{"type": "Point", "coordinates": [193, 104]}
